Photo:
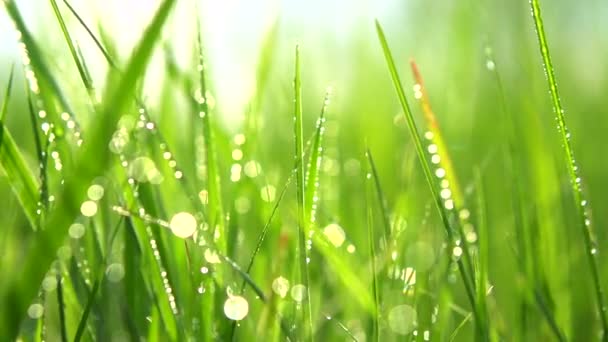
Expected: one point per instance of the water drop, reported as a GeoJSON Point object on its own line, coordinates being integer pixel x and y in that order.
{"type": "Point", "coordinates": [268, 193]}
{"type": "Point", "coordinates": [237, 154]}
{"type": "Point", "coordinates": [35, 311]}
{"type": "Point", "coordinates": [49, 283]}
{"type": "Point", "coordinates": [115, 272]}
{"type": "Point", "coordinates": [76, 230]}
{"type": "Point", "coordinates": [95, 192]}
{"type": "Point", "coordinates": [211, 256]}
{"type": "Point", "coordinates": [335, 234]}
{"type": "Point", "coordinates": [440, 173]}
{"type": "Point", "coordinates": [280, 286]}
{"type": "Point", "coordinates": [88, 208]}
{"type": "Point", "coordinates": [239, 139]}
{"type": "Point", "coordinates": [236, 308]}
{"type": "Point", "coordinates": [402, 319]}
{"type": "Point", "coordinates": [183, 224]}
{"type": "Point", "coordinates": [298, 292]}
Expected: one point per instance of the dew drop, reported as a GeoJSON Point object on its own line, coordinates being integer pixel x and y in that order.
{"type": "Point", "coordinates": [298, 292]}
{"type": "Point", "coordinates": [236, 308]}
{"type": "Point", "coordinates": [49, 283]}
{"type": "Point", "coordinates": [335, 234]}
{"type": "Point", "coordinates": [95, 192]}
{"type": "Point", "coordinates": [280, 286]}
{"type": "Point", "coordinates": [211, 256]}
{"type": "Point", "coordinates": [76, 230]}
{"type": "Point", "coordinates": [115, 272]}
{"type": "Point", "coordinates": [402, 319]}
{"type": "Point", "coordinates": [183, 224]}
{"type": "Point", "coordinates": [35, 311]}
{"type": "Point", "coordinates": [268, 193]}
{"type": "Point", "coordinates": [88, 208]}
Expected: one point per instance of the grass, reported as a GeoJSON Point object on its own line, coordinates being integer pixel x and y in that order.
{"type": "Point", "coordinates": [134, 209]}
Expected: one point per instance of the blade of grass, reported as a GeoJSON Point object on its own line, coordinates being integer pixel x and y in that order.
{"type": "Point", "coordinates": [21, 178]}
{"type": "Point", "coordinates": [91, 160]}
{"type": "Point", "coordinates": [581, 202]}
{"type": "Point", "coordinates": [427, 171]}
{"type": "Point", "coordinates": [215, 206]}
{"type": "Point", "coordinates": [380, 195]}
{"type": "Point", "coordinates": [61, 306]}
{"type": "Point", "coordinates": [306, 324]}
{"type": "Point", "coordinates": [371, 236]}
{"type": "Point", "coordinates": [73, 51]}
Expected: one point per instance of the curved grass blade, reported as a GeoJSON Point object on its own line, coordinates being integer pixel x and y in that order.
{"type": "Point", "coordinates": [427, 170]}
{"type": "Point", "coordinates": [581, 203]}
{"type": "Point", "coordinates": [61, 306]}
{"type": "Point", "coordinates": [21, 178]}
{"type": "Point", "coordinates": [301, 200]}
{"type": "Point", "coordinates": [90, 161]}
{"type": "Point", "coordinates": [82, 324]}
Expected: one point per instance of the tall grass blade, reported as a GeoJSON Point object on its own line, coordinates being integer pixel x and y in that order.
{"type": "Point", "coordinates": [306, 324]}
{"type": "Point", "coordinates": [581, 202]}
{"type": "Point", "coordinates": [469, 287]}
{"type": "Point", "coordinates": [215, 206]}
{"type": "Point", "coordinates": [371, 236]}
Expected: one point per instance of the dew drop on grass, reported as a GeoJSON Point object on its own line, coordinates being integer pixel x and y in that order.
{"type": "Point", "coordinates": [237, 154]}
{"type": "Point", "coordinates": [298, 293]}
{"type": "Point", "coordinates": [457, 252]}
{"type": "Point", "coordinates": [88, 208]}
{"type": "Point", "coordinates": [335, 234]}
{"type": "Point", "coordinates": [49, 283]}
{"type": "Point", "coordinates": [115, 272]}
{"type": "Point", "coordinates": [445, 193]}
{"type": "Point", "coordinates": [351, 249]}
{"type": "Point", "coordinates": [183, 224]}
{"type": "Point", "coordinates": [268, 193]}
{"type": "Point", "coordinates": [204, 270]}
{"type": "Point", "coordinates": [76, 230]}
{"type": "Point", "coordinates": [252, 169]}
{"type": "Point", "coordinates": [143, 169]}
{"type": "Point", "coordinates": [402, 319]}
{"type": "Point", "coordinates": [35, 311]}
{"type": "Point", "coordinates": [211, 256]}
{"type": "Point", "coordinates": [239, 139]}
{"type": "Point", "coordinates": [204, 196]}
{"type": "Point", "coordinates": [280, 286]}
{"type": "Point", "coordinates": [95, 192]}
{"type": "Point", "coordinates": [236, 308]}
{"type": "Point", "coordinates": [440, 173]}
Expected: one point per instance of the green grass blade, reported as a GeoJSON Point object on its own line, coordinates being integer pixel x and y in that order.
{"type": "Point", "coordinates": [7, 93]}
{"type": "Point", "coordinates": [314, 165]}
{"type": "Point", "coordinates": [215, 205]}
{"type": "Point", "coordinates": [581, 202]}
{"type": "Point", "coordinates": [426, 167]}
{"type": "Point", "coordinates": [380, 195]}
{"type": "Point", "coordinates": [91, 161]}
{"type": "Point", "coordinates": [105, 53]}
{"type": "Point", "coordinates": [82, 324]}
{"type": "Point", "coordinates": [61, 305]}
{"type": "Point", "coordinates": [22, 180]}
{"type": "Point", "coordinates": [73, 51]}
{"type": "Point", "coordinates": [371, 236]}
{"type": "Point", "coordinates": [301, 200]}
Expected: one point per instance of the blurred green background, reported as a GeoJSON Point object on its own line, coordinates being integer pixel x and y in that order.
{"type": "Point", "coordinates": [449, 40]}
